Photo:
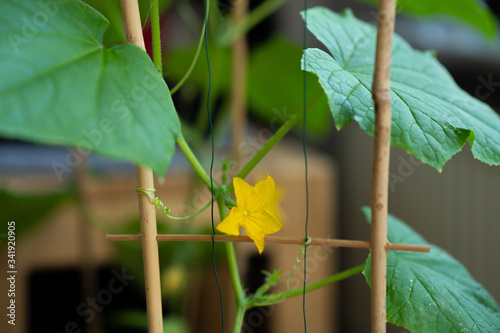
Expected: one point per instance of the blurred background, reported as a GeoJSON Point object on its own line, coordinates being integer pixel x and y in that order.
{"type": "Point", "coordinates": [70, 277]}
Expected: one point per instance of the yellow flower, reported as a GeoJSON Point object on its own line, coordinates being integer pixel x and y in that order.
{"type": "Point", "coordinates": [256, 211]}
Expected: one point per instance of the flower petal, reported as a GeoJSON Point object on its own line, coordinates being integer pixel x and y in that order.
{"type": "Point", "coordinates": [258, 224]}
{"type": "Point", "coordinates": [231, 224]}
{"type": "Point", "coordinates": [245, 194]}
{"type": "Point", "coordinates": [265, 194]}
{"type": "Point", "coordinates": [274, 208]}
{"type": "Point", "coordinates": [264, 221]}
{"type": "Point", "coordinates": [258, 239]}
{"type": "Point", "coordinates": [256, 211]}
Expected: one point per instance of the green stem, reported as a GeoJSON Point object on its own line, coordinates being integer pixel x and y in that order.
{"type": "Point", "coordinates": [284, 129]}
{"type": "Point", "coordinates": [192, 215]}
{"type": "Point", "coordinates": [279, 297]}
{"type": "Point", "coordinates": [258, 15]}
{"type": "Point", "coordinates": [197, 54]}
{"type": "Point", "coordinates": [252, 19]}
{"type": "Point", "coordinates": [239, 293]}
{"type": "Point", "coordinates": [238, 319]}
{"type": "Point", "coordinates": [287, 126]}
{"type": "Point", "coordinates": [155, 31]}
{"type": "Point", "coordinates": [194, 161]}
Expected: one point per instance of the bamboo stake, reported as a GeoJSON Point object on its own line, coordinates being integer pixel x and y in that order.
{"type": "Point", "coordinates": [239, 81]}
{"type": "Point", "coordinates": [275, 240]}
{"type": "Point", "coordinates": [87, 259]}
{"type": "Point", "coordinates": [133, 32]}
{"type": "Point", "coordinates": [381, 155]}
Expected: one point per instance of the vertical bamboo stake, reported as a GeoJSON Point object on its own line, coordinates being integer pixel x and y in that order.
{"type": "Point", "coordinates": [86, 246]}
{"type": "Point", "coordinates": [239, 81]}
{"type": "Point", "coordinates": [133, 32]}
{"type": "Point", "coordinates": [380, 174]}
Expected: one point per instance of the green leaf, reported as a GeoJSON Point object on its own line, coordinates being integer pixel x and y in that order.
{"type": "Point", "coordinates": [275, 86]}
{"type": "Point", "coordinates": [432, 117]}
{"type": "Point", "coordinates": [432, 292]}
{"type": "Point", "coordinates": [471, 12]}
{"type": "Point", "coordinates": [59, 85]}
{"type": "Point", "coordinates": [271, 280]}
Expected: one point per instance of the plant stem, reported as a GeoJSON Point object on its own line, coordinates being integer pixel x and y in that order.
{"type": "Point", "coordinates": [195, 59]}
{"type": "Point", "coordinates": [198, 168]}
{"type": "Point", "coordinates": [287, 126]}
{"type": "Point", "coordinates": [191, 215]}
{"type": "Point", "coordinates": [155, 32]}
{"type": "Point", "coordinates": [278, 297]}
{"type": "Point", "coordinates": [239, 293]}
{"type": "Point", "coordinates": [259, 14]}
{"type": "Point", "coordinates": [253, 18]}
{"type": "Point", "coordinates": [238, 319]}
{"type": "Point", "coordinates": [284, 129]}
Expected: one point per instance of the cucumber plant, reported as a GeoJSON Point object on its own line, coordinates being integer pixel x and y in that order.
{"type": "Point", "coordinates": [61, 85]}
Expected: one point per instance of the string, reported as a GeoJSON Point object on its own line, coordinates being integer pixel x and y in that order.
{"type": "Point", "coordinates": [305, 167]}
{"type": "Point", "coordinates": [212, 161]}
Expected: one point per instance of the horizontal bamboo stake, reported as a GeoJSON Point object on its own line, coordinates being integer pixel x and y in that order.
{"type": "Point", "coordinates": [275, 240]}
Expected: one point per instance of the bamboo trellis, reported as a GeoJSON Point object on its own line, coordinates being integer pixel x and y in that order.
{"type": "Point", "coordinates": [378, 244]}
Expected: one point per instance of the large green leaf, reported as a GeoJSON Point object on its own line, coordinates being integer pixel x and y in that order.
{"type": "Point", "coordinates": [432, 292]}
{"type": "Point", "coordinates": [431, 116]}
{"type": "Point", "coordinates": [471, 12]}
{"type": "Point", "coordinates": [59, 85]}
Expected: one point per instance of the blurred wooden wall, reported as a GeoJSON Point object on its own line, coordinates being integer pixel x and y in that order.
{"type": "Point", "coordinates": [65, 241]}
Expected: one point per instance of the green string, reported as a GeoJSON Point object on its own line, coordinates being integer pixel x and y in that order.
{"type": "Point", "coordinates": [306, 168]}
{"type": "Point", "coordinates": [212, 161]}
